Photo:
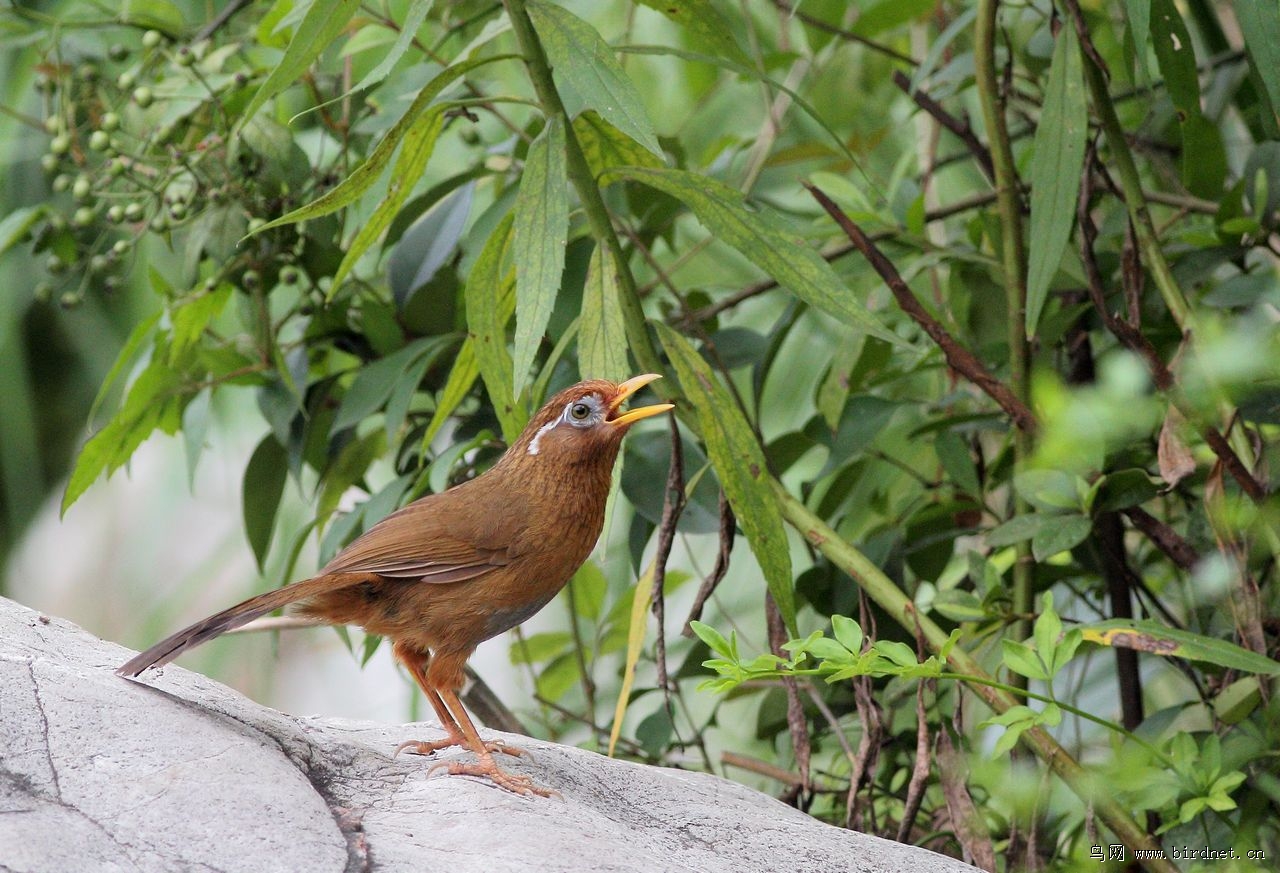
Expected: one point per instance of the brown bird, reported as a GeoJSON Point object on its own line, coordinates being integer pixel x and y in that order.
{"type": "Point", "coordinates": [453, 569]}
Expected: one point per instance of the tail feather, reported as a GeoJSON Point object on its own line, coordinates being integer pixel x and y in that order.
{"type": "Point", "coordinates": [233, 617]}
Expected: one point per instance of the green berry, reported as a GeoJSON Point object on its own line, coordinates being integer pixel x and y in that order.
{"type": "Point", "coordinates": [70, 300]}
{"type": "Point", "coordinates": [143, 96]}
{"type": "Point", "coordinates": [178, 211]}
{"type": "Point", "coordinates": [121, 246]}
{"type": "Point", "coordinates": [49, 163]}
{"type": "Point", "coordinates": [184, 58]}
{"type": "Point", "coordinates": [252, 279]}
{"type": "Point", "coordinates": [134, 212]}
{"type": "Point", "coordinates": [159, 223]}
{"type": "Point", "coordinates": [43, 292]}
{"type": "Point", "coordinates": [210, 284]}
{"type": "Point", "coordinates": [99, 264]}
{"type": "Point", "coordinates": [118, 52]}
{"type": "Point", "coordinates": [111, 285]}
{"type": "Point", "coordinates": [61, 182]}
{"type": "Point", "coordinates": [82, 189]}
{"type": "Point", "coordinates": [289, 276]}
{"type": "Point", "coordinates": [55, 265]}
{"type": "Point", "coordinates": [51, 124]}
{"type": "Point", "coordinates": [256, 224]}
{"type": "Point", "coordinates": [115, 214]}
{"type": "Point", "coordinates": [110, 122]}
{"type": "Point", "coordinates": [99, 140]}
{"type": "Point", "coordinates": [126, 80]}
{"type": "Point", "coordinates": [84, 216]}
{"type": "Point", "coordinates": [151, 39]}
{"type": "Point", "coordinates": [60, 144]}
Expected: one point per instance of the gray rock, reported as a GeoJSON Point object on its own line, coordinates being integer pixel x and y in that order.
{"type": "Point", "coordinates": [99, 773]}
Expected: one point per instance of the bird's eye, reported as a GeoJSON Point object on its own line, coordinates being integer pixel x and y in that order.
{"type": "Point", "coordinates": [580, 412]}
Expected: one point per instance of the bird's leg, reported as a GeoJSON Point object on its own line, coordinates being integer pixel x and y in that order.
{"type": "Point", "coordinates": [445, 677]}
{"type": "Point", "coordinates": [485, 766]}
{"type": "Point", "coordinates": [415, 661]}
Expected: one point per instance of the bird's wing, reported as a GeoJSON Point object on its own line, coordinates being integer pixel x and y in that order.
{"type": "Point", "coordinates": [427, 541]}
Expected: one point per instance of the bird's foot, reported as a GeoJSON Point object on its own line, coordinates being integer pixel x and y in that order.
{"type": "Point", "coordinates": [430, 747]}
{"type": "Point", "coordinates": [488, 768]}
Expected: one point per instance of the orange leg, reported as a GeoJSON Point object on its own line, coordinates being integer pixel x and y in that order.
{"type": "Point", "coordinates": [416, 662]}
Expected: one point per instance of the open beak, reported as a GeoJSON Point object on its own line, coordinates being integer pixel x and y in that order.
{"type": "Point", "coordinates": [625, 390]}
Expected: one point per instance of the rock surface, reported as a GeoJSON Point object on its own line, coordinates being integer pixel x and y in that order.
{"type": "Point", "coordinates": [98, 773]}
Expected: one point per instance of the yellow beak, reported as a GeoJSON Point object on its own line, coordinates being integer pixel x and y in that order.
{"type": "Point", "coordinates": [625, 390]}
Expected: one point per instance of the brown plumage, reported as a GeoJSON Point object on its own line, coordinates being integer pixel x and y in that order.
{"type": "Point", "coordinates": [453, 569]}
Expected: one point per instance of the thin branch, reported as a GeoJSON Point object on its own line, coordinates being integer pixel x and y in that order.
{"type": "Point", "coordinates": [819, 24]}
{"type": "Point", "coordinates": [708, 587]}
{"type": "Point", "coordinates": [672, 505]}
{"type": "Point", "coordinates": [797, 724]}
{"type": "Point", "coordinates": [958, 357]}
{"type": "Point", "coordinates": [961, 129]}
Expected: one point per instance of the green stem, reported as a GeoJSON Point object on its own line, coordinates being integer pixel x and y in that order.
{"type": "Point", "coordinates": [1014, 260]}
{"type": "Point", "coordinates": [1131, 186]}
{"type": "Point", "coordinates": [882, 590]}
{"type": "Point", "coordinates": [642, 346]}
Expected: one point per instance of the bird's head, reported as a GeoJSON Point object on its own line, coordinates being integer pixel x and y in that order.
{"type": "Point", "coordinates": [583, 423]}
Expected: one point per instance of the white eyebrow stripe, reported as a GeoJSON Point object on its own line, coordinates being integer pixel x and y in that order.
{"type": "Point", "coordinates": [537, 437]}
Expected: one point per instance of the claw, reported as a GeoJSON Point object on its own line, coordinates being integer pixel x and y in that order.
{"type": "Point", "coordinates": [430, 747]}
{"type": "Point", "coordinates": [487, 768]}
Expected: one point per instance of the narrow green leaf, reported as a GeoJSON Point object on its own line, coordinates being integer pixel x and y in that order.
{"type": "Point", "coordinates": [419, 143]}
{"type": "Point", "coordinates": [606, 147]}
{"type": "Point", "coordinates": [708, 30]}
{"type": "Point", "coordinates": [362, 178]}
{"type": "Point", "coordinates": [635, 643]}
{"type": "Point", "coordinates": [1022, 659]}
{"type": "Point", "coordinates": [264, 480]}
{"type": "Point", "coordinates": [957, 460]}
{"type": "Point", "coordinates": [1055, 170]}
{"type": "Point", "coordinates": [1260, 25]}
{"type": "Point", "coordinates": [1176, 56]}
{"type": "Point", "coordinates": [16, 224]}
{"type": "Point", "coordinates": [374, 383]}
{"type": "Point", "coordinates": [542, 227]}
{"type": "Point", "coordinates": [740, 464]}
{"type": "Point", "coordinates": [761, 238]}
{"type": "Point", "coordinates": [408, 32]}
{"type": "Point", "coordinates": [490, 301]}
{"type": "Point", "coordinates": [192, 316]}
{"type": "Point", "coordinates": [1153, 637]}
{"type": "Point", "coordinates": [1016, 529]}
{"type": "Point", "coordinates": [1125, 488]}
{"type": "Point", "coordinates": [319, 27]}
{"type": "Point", "coordinates": [602, 331]}
{"type": "Point", "coordinates": [456, 388]}
{"type": "Point", "coordinates": [1138, 13]}
{"type": "Point", "coordinates": [1062, 532]}
{"type": "Point", "coordinates": [152, 403]}
{"type": "Point", "coordinates": [128, 352]}
{"type": "Point", "coordinates": [588, 74]}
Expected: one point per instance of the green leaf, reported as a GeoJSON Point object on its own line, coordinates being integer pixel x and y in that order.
{"type": "Point", "coordinates": [762, 240]}
{"type": "Point", "coordinates": [713, 638]}
{"type": "Point", "coordinates": [1204, 158]}
{"type": "Point", "coordinates": [589, 587]}
{"type": "Point", "coordinates": [325, 19]}
{"type": "Point", "coordinates": [606, 147]}
{"type": "Point", "coordinates": [264, 480]}
{"type": "Point", "coordinates": [708, 30]}
{"type": "Point", "coordinates": [888, 14]}
{"type": "Point", "coordinates": [153, 403]}
{"type": "Point", "coordinates": [1048, 489]}
{"type": "Point", "coordinates": [1016, 529]}
{"type": "Point", "coordinates": [957, 460]}
{"type": "Point", "coordinates": [490, 301]}
{"type": "Point", "coordinates": [362, 178]}
{"type": "Point", "coordinates": [128, 352]}
{"type": "Point", "coordinates": [1138, 13]}
{"type": "Point", "coordinates": [848, 632]}
{"type": "Point", "coordinates": [1260, 25]}
{"type": "Point", "coordinates": [1055, 170]}
{"type": "Point", "coordinates": [1176, 56]}
{"type": "Point", "coordinates": [1153, 637]}
{"type": "Point", "coordinates": [1123, 489]}
{"type": "Point", "coordinates": [539, 647]}
{"type": "Point", "coordinates": [15, 225]}
{"type": "Point", "coordinates": [602, 329]}
{"type": "Point", "coordinates": [374, 383]}
{"type": "Point", "coordinates": [542, 227]}
{"type": "Point", "coordinates": [588, 74]}
{"type": "Point", "coordinates": [408, 32]}
{"type": "Point", "coordinates": [159, 14]}
{"type": "Point", "coordinates": [1061, 533]}
{"type": "Point", "coordinates": [740, 465]}
{"type": "Point", "coordinates": [191, 318]}
{"type": "Point", "coordinates": [419, 143]}
{"type": "Point", "coordinates": [456, 388]}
